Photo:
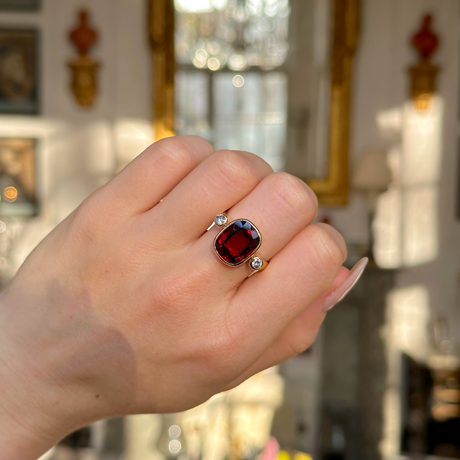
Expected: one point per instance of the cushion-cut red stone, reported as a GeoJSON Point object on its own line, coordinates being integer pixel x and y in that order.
{"type": "Point", "coordinates": [237, 242]}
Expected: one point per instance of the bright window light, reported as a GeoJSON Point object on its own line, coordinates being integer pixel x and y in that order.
{"type": "Point", "coordinates": [406, 222]}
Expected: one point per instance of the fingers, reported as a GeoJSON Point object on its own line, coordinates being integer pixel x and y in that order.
{"type": "Point", "coordinates": [280, 206]}
{"type": "Point", "coordinates": [215, 185]}
{"type": "Point", "coordinates": [297, 337]}
{"type": "Point", "coordinates": [154, 173]}
{"type": "Point", "coordinates": [296, 276]}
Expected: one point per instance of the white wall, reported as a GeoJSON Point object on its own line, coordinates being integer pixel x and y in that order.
{"type": "Point", "coordinates": [75, 140]}
{"type": "Point", "coordinates": [79, 142]}
{"type": "Point", "coordinates": [382, 83]}
{"type": "Point", "coordinates": [119, 124]}
{"type": "Point", "coordinates": [81, 148]}
{"type": "Point", "coordinates": [122, 50]}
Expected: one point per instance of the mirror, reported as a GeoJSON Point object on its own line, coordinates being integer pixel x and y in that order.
{"type": "Point", "coordinates": [268, 76]}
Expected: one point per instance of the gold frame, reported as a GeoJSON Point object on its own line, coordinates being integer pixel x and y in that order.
{"type": "Point", "coordinates": [331, 191]}
{"type": "Point", "coordinates": [161, 36]}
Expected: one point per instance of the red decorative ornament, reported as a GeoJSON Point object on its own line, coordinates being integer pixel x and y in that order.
{"type": "Point", "coordinates": [83, 36]}
{"type": "Point", "coordinates": [424, 73]}
{"type": "Point", "coordinates": [425, 41]}
{"type": "Point", "coordinates": [84, 68]}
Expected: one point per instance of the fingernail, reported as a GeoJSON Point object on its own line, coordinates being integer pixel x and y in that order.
{"type": "Point", "coordinates": [339, 293]}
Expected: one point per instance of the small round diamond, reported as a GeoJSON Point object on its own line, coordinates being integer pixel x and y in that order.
{"type": "Point", "coordinates": [220, 220]}
{"type": "Point", "coordinates": [256, 263]}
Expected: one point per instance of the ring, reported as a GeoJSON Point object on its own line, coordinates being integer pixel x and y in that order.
{"type": "Point", "coordinates": [238, 242]}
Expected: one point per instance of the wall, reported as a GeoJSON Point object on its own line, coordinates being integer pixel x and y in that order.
{"type": "Point", "coordinates": [80, 148]}
{"type": "Point", "coordinates": [122, 49]}
{"type": "Point", "coordinates": [382, 83]}
{"type": "Point", "coordinates": [119, 124]}
{"type": "Point", "coordinates": [124, 76]}
{"type": "Point", "coordinates": [421, 292]}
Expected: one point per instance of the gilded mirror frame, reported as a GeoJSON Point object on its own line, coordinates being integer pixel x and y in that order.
{"type": "Point", "coordinates": [332, 190]}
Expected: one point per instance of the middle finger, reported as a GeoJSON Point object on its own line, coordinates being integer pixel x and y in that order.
{"type": "Point", "coordinates": [217, 183]}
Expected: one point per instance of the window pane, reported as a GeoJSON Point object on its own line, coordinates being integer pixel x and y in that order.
{"type": "Point", "coordinates": [251, 116]}
{"type": "Point", "coordinates": [422, 143]}
{"type": "Point", "coordinates": [192, 103]}
{"type": "Point", "coordinates": [420, 225]}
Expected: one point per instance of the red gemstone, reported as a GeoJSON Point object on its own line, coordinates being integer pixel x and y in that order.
{"type": "Point", "coordinates": [237, 242]}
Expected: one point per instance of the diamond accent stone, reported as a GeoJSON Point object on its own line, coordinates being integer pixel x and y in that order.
{"type": "Point", "coordinates": [220, 220]}
{"type": "Point", "coordinates": [256, 263]}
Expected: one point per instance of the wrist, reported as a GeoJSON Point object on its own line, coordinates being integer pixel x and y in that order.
{"type": "Point", "coordinates": [26, 431]}
{"type": "Point", "coordinates": [38, 405]}
{"type": "Point", "coordinates": [20, 439]}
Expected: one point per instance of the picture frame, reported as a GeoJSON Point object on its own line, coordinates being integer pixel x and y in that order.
{"type": "Point", "coordinates": [331, 190]}
{"type": "Point", "coordinates": [19, 71]}
{"type": "Point", "coordinates": [20, 5]}
{"type": "Point", "coordinates": [18, 176]}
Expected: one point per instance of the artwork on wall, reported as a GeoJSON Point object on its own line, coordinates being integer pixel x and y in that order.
{"type": "Point", "coordinates": [18, 193]}
{"type": "Point", "coordinates": [19, 71]}
{"type": "Point", "coordinates": [19, 5]}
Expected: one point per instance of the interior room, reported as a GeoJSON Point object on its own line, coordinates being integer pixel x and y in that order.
{"type": "Point", "coordinates": [358, 98]}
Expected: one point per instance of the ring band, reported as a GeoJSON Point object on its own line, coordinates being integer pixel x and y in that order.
{"type": "Point", "coordinates": [238, 242]}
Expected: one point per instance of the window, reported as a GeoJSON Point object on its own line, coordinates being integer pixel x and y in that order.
{"type": "Point", "coordinates": [231, 83]}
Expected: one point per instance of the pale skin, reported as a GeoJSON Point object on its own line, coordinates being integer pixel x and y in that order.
{"type": "Point", "coordinates": [125, 308]}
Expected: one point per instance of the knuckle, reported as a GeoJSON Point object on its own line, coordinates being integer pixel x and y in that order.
{"type": "Point", "coordinates": [215, 349]}
{"type": "Point", "coordinates": [234, 167]}
{"type": "Point", "coordinates": [173, 295]}
{"type": "Point", "coordinates": [87, 223]}
{"type": "Point", "coordinates": [173, 153]}
{"type": "Point", "coordinates": [300, 344]}
{"type": "Point", "coordinates": [219, 369]}
{"type": "Point", "coordinates": [218, 352]}
{"type": "Point", "coordinates": [294, 192]}
{"type": "Point", "coordinates": [327, 253]}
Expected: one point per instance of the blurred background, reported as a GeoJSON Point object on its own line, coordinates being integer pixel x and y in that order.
{"type": "Point", "coordinates": [358, 98]}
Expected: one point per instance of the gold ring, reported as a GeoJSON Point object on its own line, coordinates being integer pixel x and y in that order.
{"type": "Point", "coordinates": [238, 242]}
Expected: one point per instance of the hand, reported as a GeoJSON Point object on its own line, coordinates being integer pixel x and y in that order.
{"type": "Point", "coordinates": [124, 308]}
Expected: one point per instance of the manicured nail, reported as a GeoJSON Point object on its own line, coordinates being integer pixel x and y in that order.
{"type": "Point", "coordinates": [339, 293]}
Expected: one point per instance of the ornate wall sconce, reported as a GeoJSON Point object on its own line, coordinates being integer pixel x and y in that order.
{"type": "Point", "coordinates": [424, 73]}
{"type": "Point", "coordinates": [84, 68]}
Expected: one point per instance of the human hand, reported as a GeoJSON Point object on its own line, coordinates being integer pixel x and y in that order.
{"type": "Point", "coordinates": [124, 308]}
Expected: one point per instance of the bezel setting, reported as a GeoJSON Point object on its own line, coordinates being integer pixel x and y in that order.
{"type": "Point", "coordinates": [252, 252]}
{"type": "Point", "coordinates": [256, 263]}
{"type": "Point", "coordinates": [221, 220]}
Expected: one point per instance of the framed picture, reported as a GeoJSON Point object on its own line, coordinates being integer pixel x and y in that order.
{"type": "Point", "coordinates": [18, 187]}
{"type": "Point", "coordinates": [19, 71]}
{"type": "Point", "coordinates": [19, 5]}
